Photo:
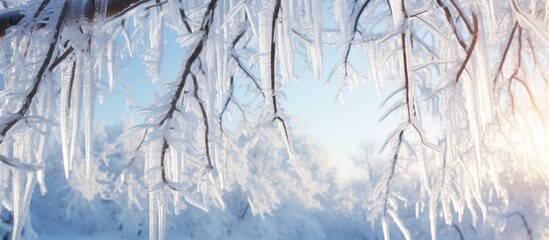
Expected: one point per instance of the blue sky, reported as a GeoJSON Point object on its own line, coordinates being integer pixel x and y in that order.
{"type": "Point", "coordinates": [340, 128]}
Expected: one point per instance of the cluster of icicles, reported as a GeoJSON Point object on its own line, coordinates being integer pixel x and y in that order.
{"type": "Point", "coordinates": [60, 65]}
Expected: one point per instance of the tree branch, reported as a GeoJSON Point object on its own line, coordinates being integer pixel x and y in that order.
{"type": "Point", "coordinates": [39, 76]}
{"type": "Point", "coordinates": [470, 49]}
{"type": "Point", "coordinates": [205, 120]}
{"type": "Point", "coordinates": [115, 9]}
{"type": "Point", "coordinates": [206, 23]}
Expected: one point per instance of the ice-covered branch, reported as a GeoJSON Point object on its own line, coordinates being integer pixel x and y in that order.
{"type": "Point", "coordinates": [449, 18]}
{"type": "Point", "coordinates": [470, 49]}
{"type": "Point", "coordinates": [277, 117]}
{"type": "Point", "coordinates": [184, 19]}
{"type": "Point", "coordinates": [193, 58]}
{"type": "Point", "coordinates": [205, 121]}
{"type": "Point", "coordinates": [23, 110]}
{"type": "Point", "coordinates": [506, 51]}
{"type": "Point", "coordinates": [115, 8]}
{"type": "Point", "coordinates": [195, 54]}
{"type": "Point", "coordinates": [353, 35]}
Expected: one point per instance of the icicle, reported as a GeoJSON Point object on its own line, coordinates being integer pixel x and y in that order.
{"type": "Point", "coordinates": [472, 112]}
{"type": "Point", "coordinates": [283, 47]}
{"type": "Point", "coordinates": [153, 213]}
{"type": "Point", "coordinates": [23, 184]}
{"type": "Point", "coordinates": [153, 57]}
{"type": "Point", "coordinates": [21, 199]}
{"type": "Point", "coordinates": [89, 102]}
{"type": "Point", "coordinates": [484, 89]}
{"type": "Point", "coordinates": [265, 25]}
{"type": "Point", "coordinates": [161, 211]}
{"type": "Point", "coordinates": [315, 49]}
{"type": "Point", "coordinates": [445, 207]}
{"type": "Point", "coordinates": [385, 227]}
{"type": "Point", "coordinates": [400, 225]}
{"type": "Point", "coordinates": [46, 108]}
{"type": "Point", "coordinates": [370, 49]}
{"type": "Point", "coordinates": [110, 65]}
{"type": "Point", "coordinates": [65, 113]}
{"type": "Point", "coordinates": [420, 151]}
{"type": "Point", "coordinates": [76, 105]}
{"type": "Point", "coordinates": [433, 217]}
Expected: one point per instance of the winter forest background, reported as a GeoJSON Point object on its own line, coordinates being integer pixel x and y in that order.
{"type": "Point", "coordinates": [207, 149]}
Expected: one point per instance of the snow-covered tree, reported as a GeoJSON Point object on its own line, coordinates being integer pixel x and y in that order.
{"type": "Point", "coordinates": [475, 70]}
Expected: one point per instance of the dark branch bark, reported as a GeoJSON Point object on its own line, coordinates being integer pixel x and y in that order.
{"type": "Point", "coordinates": [273, 72]}
{"type": "Point", "coordinates": [273, 57]}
